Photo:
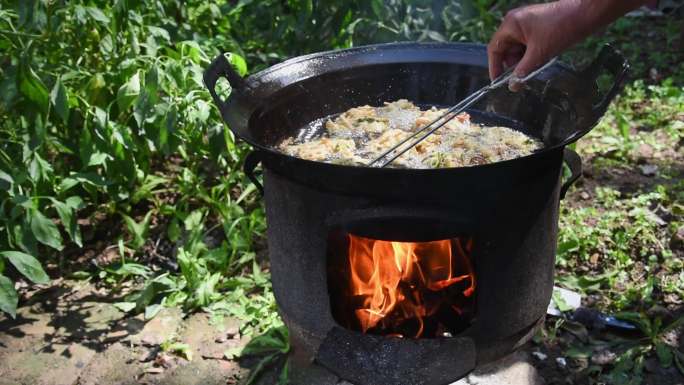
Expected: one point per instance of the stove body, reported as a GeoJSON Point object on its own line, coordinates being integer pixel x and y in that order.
{"type": "Point", "coordinates": [513, 229]}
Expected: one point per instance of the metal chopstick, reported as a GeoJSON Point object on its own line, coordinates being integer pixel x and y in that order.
{"type": "Point", "coordinates": [453, 112]}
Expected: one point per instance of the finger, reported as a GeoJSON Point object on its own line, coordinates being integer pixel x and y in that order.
{"type": "Point", "coordinates": [498, 50]}
{"type": "Point", "coordinates": [531, 60]}
{"type": "Point", "coordinates": [506, 40]}
{"type": "Point", "coordinates": [514, 55]}
{"type": "Point", "coordinates": [495, 58]}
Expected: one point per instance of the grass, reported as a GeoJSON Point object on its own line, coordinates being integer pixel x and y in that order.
{"type": "Point", "coordinates": [618, 242]}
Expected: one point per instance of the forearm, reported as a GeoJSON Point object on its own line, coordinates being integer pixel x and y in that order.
{"type": "Point", "coordinates": [595, 14]}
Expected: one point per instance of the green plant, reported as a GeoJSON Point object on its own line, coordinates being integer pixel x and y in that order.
{"type": "Point", "coordinates": [95, 97]}
{"type": "Point", "coordinates": [272, 348]}
{"type": "Point", "coordinates": [28, 266]}
{"type": "Point", "coordinates": [629, 366]}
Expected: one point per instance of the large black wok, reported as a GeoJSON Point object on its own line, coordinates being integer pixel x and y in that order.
{"type": "Point", "coordinates": [559, 107]}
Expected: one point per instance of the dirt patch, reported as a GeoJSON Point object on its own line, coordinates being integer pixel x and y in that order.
{"type": "Point", "coordinates": [114, 366]}
{"type": "Point", "coordinates": [65, 336]}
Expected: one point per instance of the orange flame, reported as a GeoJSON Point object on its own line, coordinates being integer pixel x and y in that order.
{"type": "Point", "coordinates": [396, 281]}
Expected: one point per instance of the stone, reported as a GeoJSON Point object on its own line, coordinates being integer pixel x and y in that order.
{"type": "Point", "coordinates": [87, 320]}
{"type": "Point", "coordinates": [515, 369]}
{"type": "Point", "coordinates": [114, 366]}
{"type": "Point", "coordinates": [115, 335]}
{"type": "Point", "coordinates": [154, 370]}
{"type": "Point", "coordinates": [561, 362]}
{"type": "Point", "coordinates": [207, 339]}
{"type": "Point", "coordinates": [648, 169]}
{"type": "Point", "coordinates": [645, 150]}
{"type": "Point", "coordinates": [164, 326]}
{"type": "Point", "coordinates": [29, 322]}
{"type": "Point", "coordinates": [198, 372]}
{"type": "Point", "coordinates": [603, 357]}
{"type": "Point", "coordinates": [32, 360]}
{"type": "Point", "coordinates": [148, 354]}
{"type": "Point", "coordinates": [677, 240]}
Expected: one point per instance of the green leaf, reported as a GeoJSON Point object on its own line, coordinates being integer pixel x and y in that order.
{"type": "Point", "coordinates": [559, 301]}
{"type": "Point", "coordinates": [232, 353]}
{"type": "Point", "coordinates": [33, 88]}
{"type": "Point", "coordinates": [664, 353]}
{"type": "Point", "coordinates": [132, 269]}
{"type": "Point", "coordinates": [128, 92]}
{"type": "Point", "coordinates": [60, 100]}
{"type": "Point", "coordinates": [98, 158]}
{"type": "Point", "coordinates": [8, 297]}
{"type": "Point", "coordinates": [159, 32]}
{"type": "Point", "coordinates": [284, 377]}
{"type": "Point", "coordinates": [178, 348]}
{"type": "Point", "coordinates": [679, 361]}
{"type": "Point", "coordinates": [75, 202]}
{"type": "Point", "coordinates": [32, 14]}
{"type": "Point", "coordinates": [138, 230]}
{"type": "Point", "coordinates": [27, 265]}
{"type": "Point", "coordinates": [66, 215]}
{"type": "Point", "coordinates": [194, 220]}
{"type": "Point", "coordinates": [623, 125]}
{"type": "Point", "coordinates": [97, 15]}
{"type": "Point", "coordinates": [45, 231]}
{"type": "Point", "coordinates": [239, 63]}
{"type": "Point", "coordinates": [579, 351]}
{"type": "Point", "coordinates": [174, 230]}
{"type": "Point", "coordinates": [6, 181]}
{"type": "Point", "coordinates": [152, 310]}
{"type": "Point", "coordinates": [8, 87]}
{"type": "Point", "coordinates": [80, 275]}
{"type": "Point", "coordinates": [125, 306]}
{"type": "Point", "coordinates": [206, 291]}
{"type": "Point", "coordinates": [23, 236]}
{"type": "Point", "coordinates": [82, 177]}
{"type": "Point", "coordinates": [39, 169]}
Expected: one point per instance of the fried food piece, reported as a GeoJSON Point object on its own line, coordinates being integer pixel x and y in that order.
{"type": "Point", "coordinates": [364, 133]}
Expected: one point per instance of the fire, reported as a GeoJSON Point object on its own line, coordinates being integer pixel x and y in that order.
{"type": "Point", "coordinates": [397, 286]}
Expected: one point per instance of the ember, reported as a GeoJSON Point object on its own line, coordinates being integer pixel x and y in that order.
{"type": "Point", "coordinates": [407, 289]}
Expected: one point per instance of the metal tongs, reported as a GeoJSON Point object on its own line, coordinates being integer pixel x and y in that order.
{"type": "Point", "coordinates": [452, 112]}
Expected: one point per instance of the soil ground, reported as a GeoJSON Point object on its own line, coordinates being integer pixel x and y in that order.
{"type": "Point", "coordinates": [71, 333]}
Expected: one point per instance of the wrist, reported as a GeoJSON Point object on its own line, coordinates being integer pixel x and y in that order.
{"type": "Point", "coordinates": [599, 13]}
{"type": "Point", "coordinates": [588, 16]}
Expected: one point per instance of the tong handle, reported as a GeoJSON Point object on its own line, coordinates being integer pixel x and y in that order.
{"type": "Point", "coordinates": [455, 110]}
{"type": "Point", "coordinates": [508, 74]}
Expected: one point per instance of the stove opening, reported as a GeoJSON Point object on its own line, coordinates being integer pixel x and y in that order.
{"type": "Point", "coordinates": [402, 289]}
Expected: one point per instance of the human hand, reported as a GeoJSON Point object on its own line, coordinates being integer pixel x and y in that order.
{"type": "Point", "coordinates": [531, 35]}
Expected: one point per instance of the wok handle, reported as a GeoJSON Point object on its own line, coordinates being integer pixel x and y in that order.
{"type": "Point", "coordinates": [609, 61]}
{"type": "Point", "coordinates": [220, 67]}
{"type": "Point", "coordinates": [574, 162]}
{"type": "Point", "coordinates": [251, 162]}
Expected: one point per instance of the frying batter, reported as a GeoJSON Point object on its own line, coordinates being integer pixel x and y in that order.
{"type": "Point", "coordinates": [363, 133]}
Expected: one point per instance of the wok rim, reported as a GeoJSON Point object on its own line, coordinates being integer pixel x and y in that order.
{"type": "Point", "coordinates": [475, 47]}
